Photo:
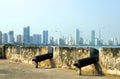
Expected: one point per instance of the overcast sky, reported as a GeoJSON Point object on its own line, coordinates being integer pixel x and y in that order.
{"type": "Point", "coordinates": [61, 15]}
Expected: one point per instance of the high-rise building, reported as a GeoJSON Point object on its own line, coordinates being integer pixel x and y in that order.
{"type": "Point", "coordinates": [96, 41]}
{"type": "Point", "coordinates": [51, 41]}
{"type": "Point", "coordinates": [26, 36]}
{"type": "Point", "coordinates": [0, 37]}
{"type": "Point", "coordinates": [45, 37]}
{"type": "Point", "coordinates": [31, 40]}
{"type": "Point", "coordinates": [19, 39]}
{"type": "Point", "coordinates": [70, 40]}
{"type": "Point", "coordinates": [11, 37]}
{"type": "Point", "coordinates": [86, 42]}
{"type": "Point", "coordinates": [92, 37]}
{"type": "Point", "coordinates": [77, 36]}
{"type": "Point", "coordinates": [81, 41]}
{"type": "Point", "coordinates": [62, 41]}
{"type": "Point", "coordinates": [113, 41]}
{"type": "Point", "coordinates": [110, 41]}
{"type": "Point", "coordinates": [36, 39]}
{"type": "Point", "coordinates": [4, 38]}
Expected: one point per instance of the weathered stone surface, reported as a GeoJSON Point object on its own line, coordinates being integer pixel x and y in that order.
{"type": "Point", "coordinates": [110, 60]}
{"type": "Point", "coordinates": [26, 54]}
{"type": "Point", "coordinates": [65, 57]}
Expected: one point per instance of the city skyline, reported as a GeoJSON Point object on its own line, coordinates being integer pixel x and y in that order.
{"type": "Point", "coordinates": [45, 39]}
{"type": "Point", "coordinates": [62, 15]}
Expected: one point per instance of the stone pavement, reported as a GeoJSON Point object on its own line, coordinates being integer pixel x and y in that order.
{"type": "Point", "coordinates": [13, 70]}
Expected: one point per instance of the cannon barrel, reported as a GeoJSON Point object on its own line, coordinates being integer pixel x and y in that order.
{"type": "Point", "coordinates": [85, 61]}
{"type": "Point", "coordinates": [42, 57]}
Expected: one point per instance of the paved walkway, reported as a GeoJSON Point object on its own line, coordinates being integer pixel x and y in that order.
{"type": "Point", "coordinates": [13, 70]}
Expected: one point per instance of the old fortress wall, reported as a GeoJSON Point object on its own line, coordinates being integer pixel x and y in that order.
{"type": "Point", "coordinates": [65, 57]}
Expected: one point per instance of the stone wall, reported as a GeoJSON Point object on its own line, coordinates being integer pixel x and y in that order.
{"type": "Point", "coordinates": [26, 54]}
{"type": "Point", "coordinates": [109, 59]}
{"type": "Point", "coordinates": [65, 57]}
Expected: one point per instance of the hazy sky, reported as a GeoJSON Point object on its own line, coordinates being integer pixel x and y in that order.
{"type": "Point", "coordinates": [61, 15]}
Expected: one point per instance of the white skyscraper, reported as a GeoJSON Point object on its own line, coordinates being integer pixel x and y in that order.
{"type": "Point", "coordinates": [11, 37]}
{"type": "Point", "coordinates": [4, 38]}
{"type": "Point", "coordinates": [26, 36]}
{"type": "Point", "coordinates": [36, 39]}
{"type": "Point", "coordinates": [115, 41]}
{"type": "Point", "coordinates": [92, 37]}
{"type": "Point", "coordinates": [77, 37]}
{"type": "Point", "coordinates": [19, 39]}
{"type": "Point", "coordinates": [45, 37]}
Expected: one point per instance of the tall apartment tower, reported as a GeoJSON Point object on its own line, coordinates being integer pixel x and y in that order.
{"type": "Point", "coordinates": [11, 37]}
{"type": "Point", "coordinates": [51, 41]}
{"type": "Point", "coordinates": [77, 37]}
{"type": "Point", "coordinates": [0, 37]}
{"type": "Point", "coordinates": [45, 37]}
{"type": "Point", "coordinates": [19, 39]}
{"type": "Point", "coordinates": [4, 38]}
{"type": "Point", "coordinates": [26, 35]}
{"type": "Point", "coordinates": [92, 37]}
{"type": "Point", "coordinates": [36, 39]}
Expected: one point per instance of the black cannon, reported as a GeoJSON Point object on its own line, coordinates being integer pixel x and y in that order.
{"type": "Point", "coordinates": [87, 61]}
{"type": "Point", "coordinates": [43, 57]}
